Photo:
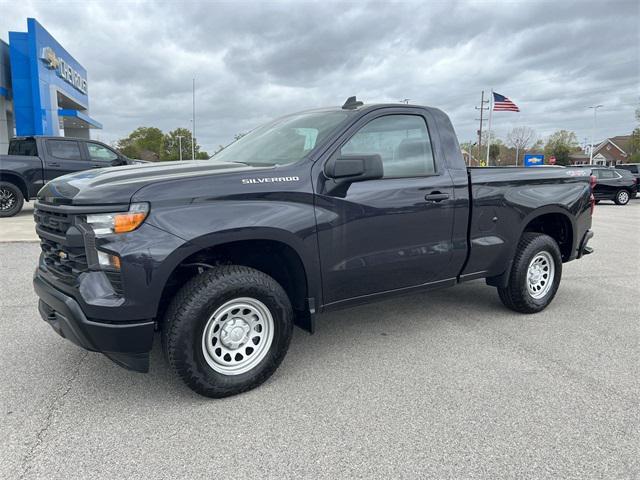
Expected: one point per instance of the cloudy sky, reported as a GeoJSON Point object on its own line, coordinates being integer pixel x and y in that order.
{"type": "Point", "coordinates": [254, 61]}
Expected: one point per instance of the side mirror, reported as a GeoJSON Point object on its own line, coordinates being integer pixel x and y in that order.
{"type": "Point", "coordinates": [354, 168]}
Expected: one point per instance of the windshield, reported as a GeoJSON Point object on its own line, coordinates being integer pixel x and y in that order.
{"type": "Point", "coordinates": [283, 141]}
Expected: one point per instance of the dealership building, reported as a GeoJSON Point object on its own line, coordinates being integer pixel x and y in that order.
{"type": "Point", "coordinates": [43, 89]}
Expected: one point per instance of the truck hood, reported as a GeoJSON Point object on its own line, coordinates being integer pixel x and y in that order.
{"type": "Point", "coordinates": [116, 185]}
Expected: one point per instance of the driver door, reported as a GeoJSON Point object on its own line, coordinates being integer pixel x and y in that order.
{"type": "Point", "coordinates": [392, 233]}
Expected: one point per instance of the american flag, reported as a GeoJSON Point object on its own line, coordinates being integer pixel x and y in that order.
{"type": "Point", "coordinates": [503, 104]}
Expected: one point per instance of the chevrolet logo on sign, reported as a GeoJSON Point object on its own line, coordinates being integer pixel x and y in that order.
{"type": "Point", "coordinates": [50, 59]}
{"type": "Point", "coordinates": [63, 69]}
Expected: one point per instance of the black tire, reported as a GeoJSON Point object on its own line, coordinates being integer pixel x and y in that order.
{"type": "Point", "coordinates": [190, 312]}
{"type": "Point", "coordinates": [11, 199]}
{"type": "Point", "coordinates": [622, 197]}
{"type": "Point", "coordinates": [516, 294]}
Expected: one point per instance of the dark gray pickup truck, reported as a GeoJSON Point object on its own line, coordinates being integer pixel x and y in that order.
{"type": "Point", "coordinates": [33, 161]}
{"type": "Point", "coordinates": [315, 211]}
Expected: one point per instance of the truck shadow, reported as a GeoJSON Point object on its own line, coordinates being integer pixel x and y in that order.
{"type": "Point", "coordinates": [369, 326]}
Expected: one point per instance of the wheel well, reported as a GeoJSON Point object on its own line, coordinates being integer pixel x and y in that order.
{"type": "Point", "coordinates": [17, 181]}
{"type": "Point", "coordinates": [274, 258]}
{"type": "Point", "coordinates": [558, 227]}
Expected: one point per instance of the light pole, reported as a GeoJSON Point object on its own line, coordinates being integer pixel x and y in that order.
{"type": "Point", "coordinates": [180, 137]}
{"type": "Point", "coordinates": [593, 131]}
{"type": "Point", "coordinates": [193, 125]}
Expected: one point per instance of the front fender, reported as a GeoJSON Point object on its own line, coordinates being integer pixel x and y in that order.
{"type": "Point", "coordinates": [289, 220]}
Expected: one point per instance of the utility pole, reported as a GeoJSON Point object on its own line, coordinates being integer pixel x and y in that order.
{"type": "Point", "coordinates": [193, 125]}
{"type": "Point", "coordinates": [482, 108]}
{"type": "Point", "coordinates": [593, 131]}
{"type": "Point", "coordinates": [180, 137]}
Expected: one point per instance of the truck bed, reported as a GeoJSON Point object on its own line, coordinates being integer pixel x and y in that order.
{"type": "Point", "coordinates": [504, 197]}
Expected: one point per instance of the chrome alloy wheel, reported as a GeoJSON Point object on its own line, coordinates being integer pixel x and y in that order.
{"type": "Point", "coordinates": [540, 275]}
{"type": "Point", "coordinates": [7, 198]}
{"type": "Point", "coordinates": [237, 336]}
{"type": "Point", "coordinates": [623, 197]}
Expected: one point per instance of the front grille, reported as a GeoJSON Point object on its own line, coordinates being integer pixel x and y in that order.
{"type": "Point", "coordinates": [64, 249]}
{"type": "Point", "coordinates": [53, 222]}
{"type": "Point", "coordinates": [66, 263]}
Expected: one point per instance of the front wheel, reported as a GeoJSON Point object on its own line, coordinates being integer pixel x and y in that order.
{"type": "Point", "coordinates": [535, 274]}
{"type": "Point", "coordinates": [11, 199]}
{"type": "Point", "coordinates": [622, 197]}
{"type": "Point", "coordinates": [227, 330]}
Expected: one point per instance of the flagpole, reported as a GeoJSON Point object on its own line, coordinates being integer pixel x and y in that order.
{"type": "Point", "coordinates": [489, 129]}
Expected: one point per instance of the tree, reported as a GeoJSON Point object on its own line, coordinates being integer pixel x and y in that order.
{"type": "Point", "coordinates": [634, 143]}
{"type": "Point", "coordinates": [494, 152]}
{"type": "Point", "coordinates": [471, 148]}
{"type": "Point", "coordinates": [172, 142]}
{"type": "Point", "coordinates": [150, 143]}
{"type": "Point", "coordinates": [520, 138]}
{"type": "Point", "coordinates": [560, 145]}
{"type": "Point", "coordinates": [145, 143]}
{"type": "Point", "coordinates": [538, 146]}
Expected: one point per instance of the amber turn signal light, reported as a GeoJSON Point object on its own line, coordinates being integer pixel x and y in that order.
{"type": "Point", "coordinates": [127, 222]}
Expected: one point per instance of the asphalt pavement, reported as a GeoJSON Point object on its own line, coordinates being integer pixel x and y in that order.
{"type": "Point", "coordinates": [19, 228]}
{"type": "Point", "coordinates": [447, 384]}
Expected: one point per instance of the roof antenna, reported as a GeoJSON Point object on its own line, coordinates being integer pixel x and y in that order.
{"type": "Point", "coordinates": [352, 103]}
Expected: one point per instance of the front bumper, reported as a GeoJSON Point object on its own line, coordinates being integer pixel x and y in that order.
{"type": "Point", "coordinates": [126, 343]}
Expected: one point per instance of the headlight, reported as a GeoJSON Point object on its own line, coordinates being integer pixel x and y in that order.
{"type": "Point", "coordinates": [119, 222]}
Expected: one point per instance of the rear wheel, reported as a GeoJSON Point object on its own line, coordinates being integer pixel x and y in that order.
{"type": "Point", "coordinates": [227, 330]}
{"type": "Point", "coordinates": [535, 274]}
{"type": "Point", "coordinates": [11, 199]}
{"type": "Point", "coordinates": [622, 197]}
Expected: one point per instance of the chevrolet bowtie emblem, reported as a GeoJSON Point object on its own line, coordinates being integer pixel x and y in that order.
{"type": "Point", "coordinates": [50, 59]}
{"type": "Point", "coordinates": [62, 255]}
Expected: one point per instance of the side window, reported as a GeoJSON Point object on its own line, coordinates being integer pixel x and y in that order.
{"type": "Point", "coordinates": [606, 174]}
{"type": "Point", "coordinates": [64, 149]}
{"type": "Point", "coordinates": [26, 147]}
{"type": "Point", "coordinates": [100, 153]}
{"type": "Point", "coordinates": [401, 140]}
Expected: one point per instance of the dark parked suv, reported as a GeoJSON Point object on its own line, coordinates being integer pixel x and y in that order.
{"type": "Point", "coordinates": [634, 168]}
{"type": "Point", "coordinates": [614, 184]}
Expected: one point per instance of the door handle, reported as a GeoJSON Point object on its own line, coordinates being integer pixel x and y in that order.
{"type": "Point", "coordinates": [53, 164]}
{"type": "Point", "coordinates": [436, 196]}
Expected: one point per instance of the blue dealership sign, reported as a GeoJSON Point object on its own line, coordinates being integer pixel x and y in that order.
{"type": "Point", "coordinates": [531, 160]}
{"type": "Point", "coordinates": [47, 82]}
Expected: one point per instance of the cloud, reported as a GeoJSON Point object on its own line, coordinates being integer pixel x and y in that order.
{"type": "Point", "coordinates": [255, 61]}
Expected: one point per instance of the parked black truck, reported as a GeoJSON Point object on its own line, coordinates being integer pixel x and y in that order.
{"type": "Point", "coordinates": [33, 161]}
{"type": "Point", "coordinates": [315, 211]}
